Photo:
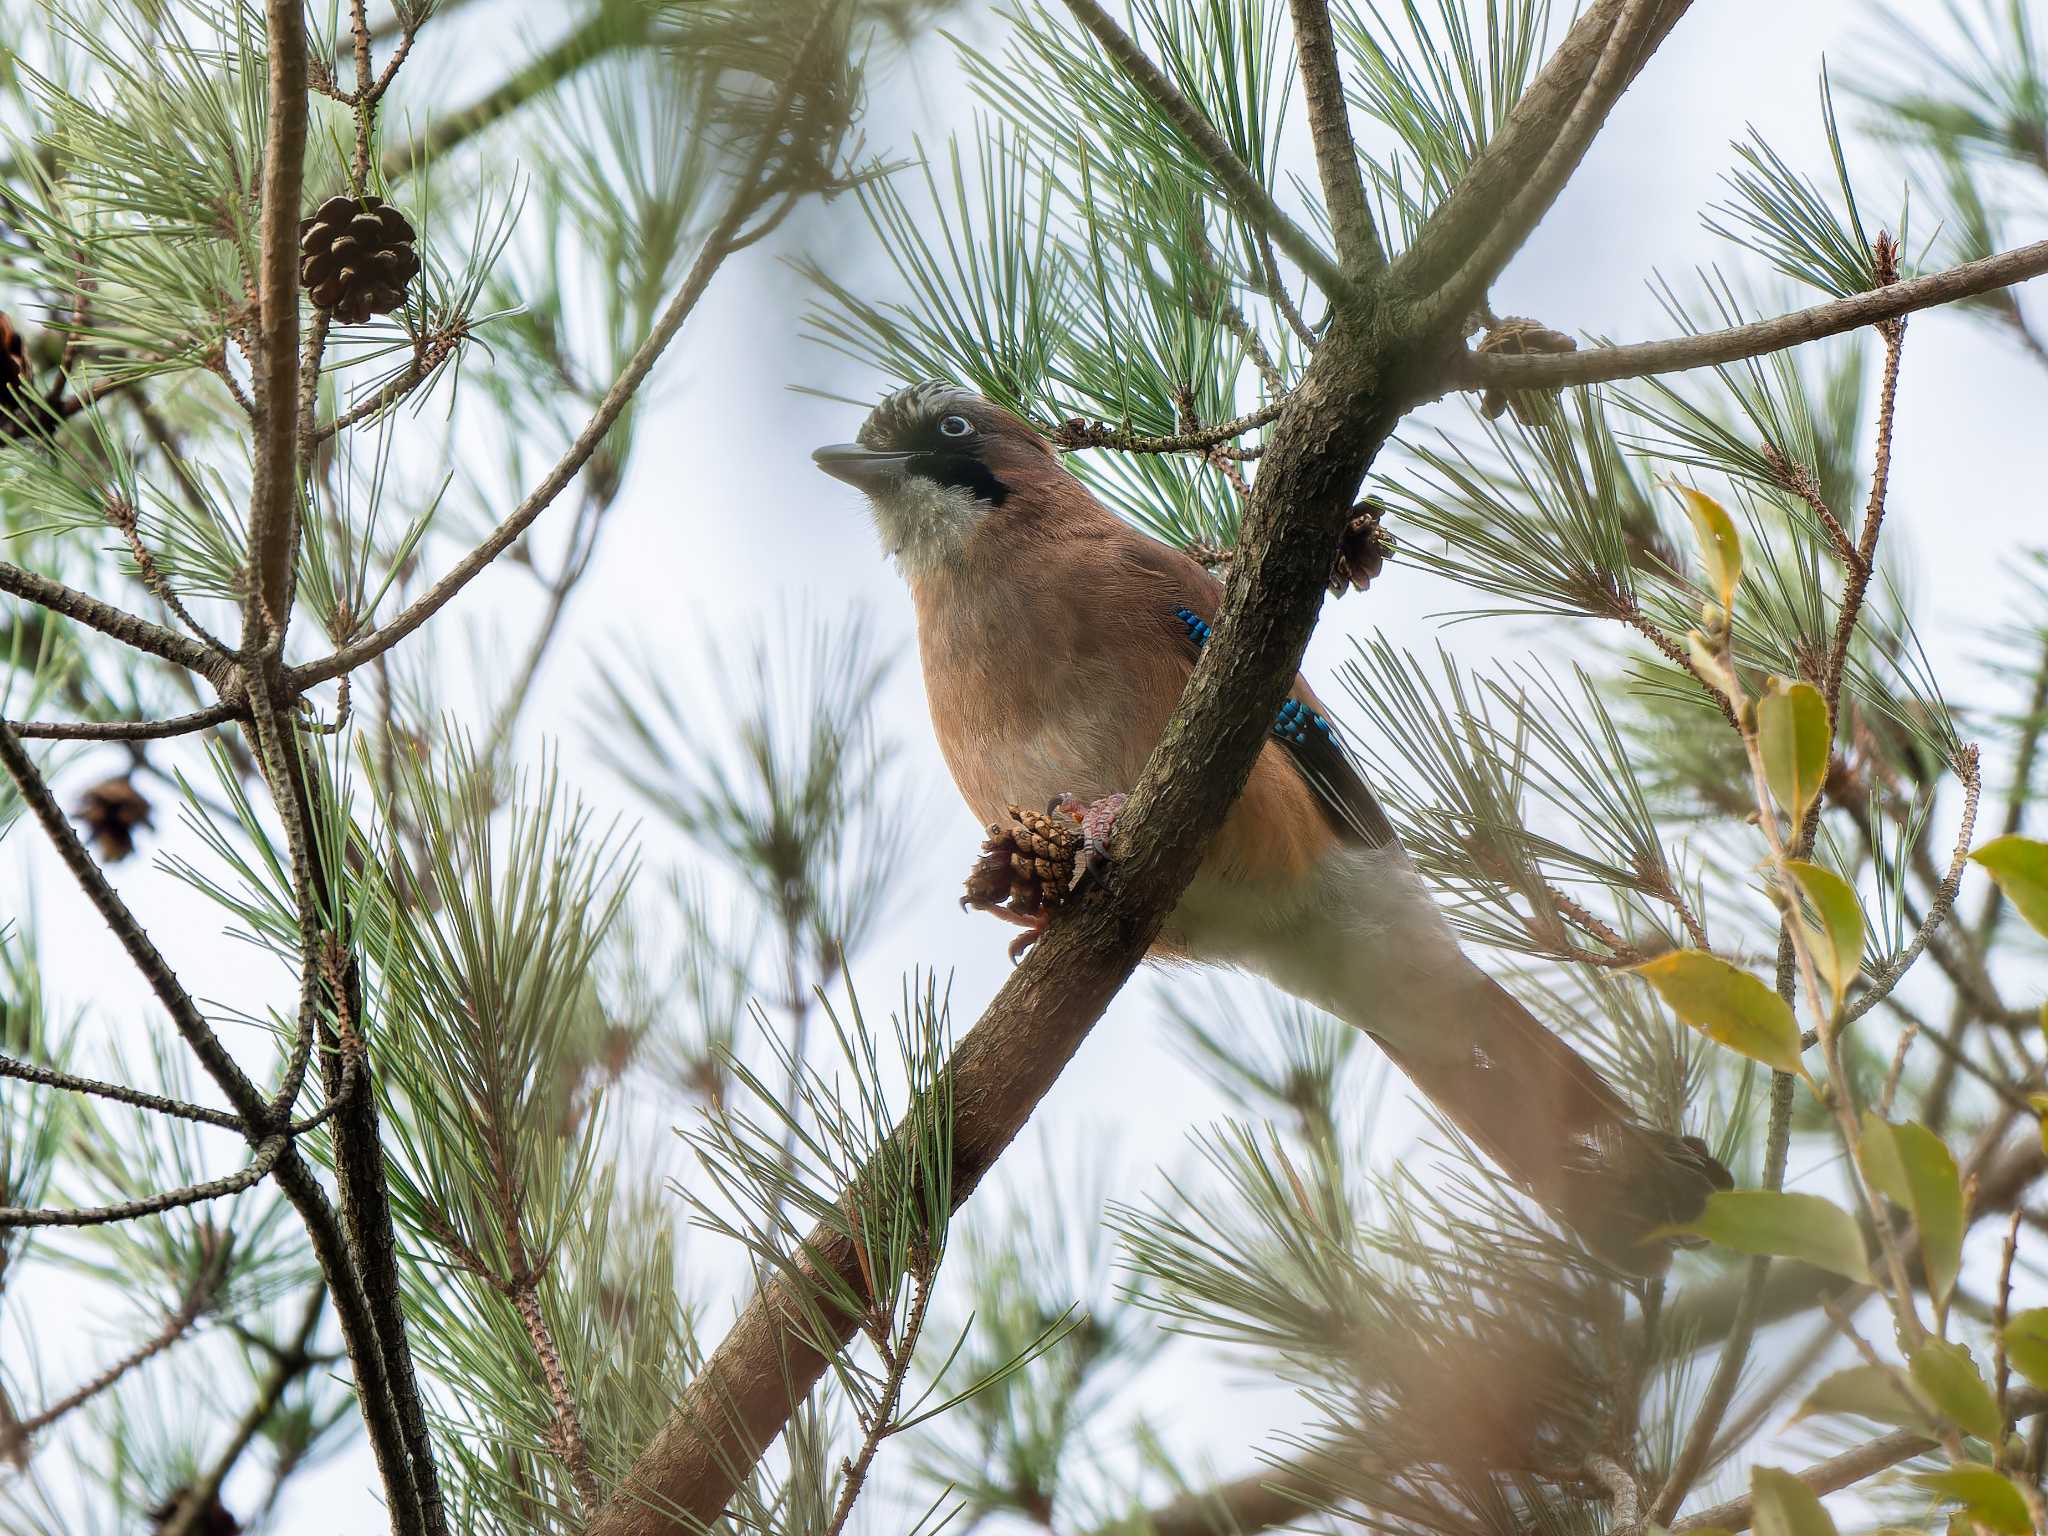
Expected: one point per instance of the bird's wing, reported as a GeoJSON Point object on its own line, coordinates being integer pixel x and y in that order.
{"type": "Point", "coordinates": [1302, 730]}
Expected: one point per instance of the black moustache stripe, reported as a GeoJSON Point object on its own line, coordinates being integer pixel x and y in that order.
{"type": "Point", "coordinates": [958, 469]}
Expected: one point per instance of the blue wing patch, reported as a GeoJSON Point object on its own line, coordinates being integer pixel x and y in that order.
{"type": "Point", "coordinates": [1312, 745]}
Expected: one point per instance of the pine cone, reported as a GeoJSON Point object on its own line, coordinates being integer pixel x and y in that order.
{"type": "Point", "coordinates": [1518, 336]}
{"type": "Point", "coordinates": [356, 256]}
{"type": "Point", "coordinates": [1362, 552]}
{"type": "Point", "coordinates": [216, 1521]}
{"type": "Point", "coordinates": [1029, 866]}
{"type": "Point", "coordinates": [14, 369]}
{"type": "Point", "coordinates": [112, 812]}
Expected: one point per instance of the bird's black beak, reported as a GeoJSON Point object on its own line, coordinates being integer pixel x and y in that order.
{"type": "Point", "coordinates": [866, 469]}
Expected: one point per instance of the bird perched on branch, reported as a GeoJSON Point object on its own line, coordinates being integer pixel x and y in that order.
{"type": "Point", "coordinates": [1056, 641]}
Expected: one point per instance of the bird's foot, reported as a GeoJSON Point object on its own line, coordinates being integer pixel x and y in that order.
{"type": "Point", "coordinates": [1096, 817]}
{"type": "Point", "coordinates": [1031, 868]}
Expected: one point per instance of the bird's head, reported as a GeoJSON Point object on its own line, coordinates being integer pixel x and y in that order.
{"type": "Point", "coordinates": [934, 460]}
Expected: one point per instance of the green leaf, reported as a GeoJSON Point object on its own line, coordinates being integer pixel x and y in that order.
{"type": "Point", "coordinates": [1952, 1382]}
{"type": "Point", "coordinates": [1870, 1392]}
{"type": "Point", "coordinates": [1837, 938]}
{"type": "Point", "coordinates": [1914, 1169]}
{"type": "Point", "coordinates": [2026, 1344]}
{"type": "Point", "coordinates": [1785, 1506]}
{"type": "Point", "coordinates": [1803, 1227]}
{"type": "Point", "coordinates": [1793, 734]}
{"type": "Point", "coordinates": [1726, 1003]}
{"type": "Point", "coordinates": [1720, 545]}
{"type": "Point", "coordinates": [1986, 1493]}
{"type": "Point", "coordinates": [2020, 866]}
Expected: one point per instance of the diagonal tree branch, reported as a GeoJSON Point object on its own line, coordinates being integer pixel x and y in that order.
{"type": "Point", "coordinates": [1626, 50]}
{"type": "Point", "coordinates": [1599, 365]}
{"type": "Point", "coordinates": [1333, 425]}
{"type": "Point", "coordinates": [108, 620]}
{"type": "Point", "coordinates": [1497, 176]}
{"type": "Point", "coordinates": [1852, 1466]}
{"type": "Point", "coordinates": [1243, 188]}
{"type": "Point", "coordinates": [1329, 126]}
{"type": "Point", "coordinates": [609, 28]}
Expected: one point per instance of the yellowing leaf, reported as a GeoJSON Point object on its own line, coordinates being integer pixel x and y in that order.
{"type": "Point", "coordinates": [1720, 545]}
{"type": "Point", "coordinates": [1986, 1493]}
{"type": "Point", "coordinates": [1793, 734]}
{"type": "Point", "coordinates": [2026, 1344]}
{"type": "Point", "coordinates": [1953, 1384]}
{"type": "Point", "coordinates": [2020, 866]}
{"type": "Point", "coordinates": [1914, 1169]}
{"type": "Point", "coordinates": [1803, 1227]}
{"type": "Point", "coordinates": [1709, 663]}
{"type": "Point", "coordinates": [1784, 1506]}
{"type": "Point", "coordinates": [1837, 936]}
{"type": "Point", "coordinates": [1726, 1003]}
{"type": "Point", "coordinates": [1870, 1392]}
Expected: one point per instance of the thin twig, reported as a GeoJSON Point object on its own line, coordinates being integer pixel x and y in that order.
{"type": "Point", "coordinates": [1197, 439]}
{"type": "Point", "coordinates": [267, 1154]}
{"type": "Point", "coordinates": [1599, 365]}
{"type": "Point", "coordinates": [1246, 193]}
{"type": "Point", "coordinates": [127, 730]}
{"type": "Point", "coordinates": [1841, 1471]}
{"type": "Point", "coordinates": [1329, 123]}
{"type": "Point", "coordinates": [290, 1363]}
{"type": "Point", "coordinates": [103, 616]}
{"type": "Point", "coordinates": [177, 1109]}
{"type": "Point", "coordinates": [175, 1326]}
{"type": "Point", "coordinates": [570, 1443]}
{"type": "Point", "coordinates": [898, 1355]}
{"type": "Point", "coordinates": [740, 206]}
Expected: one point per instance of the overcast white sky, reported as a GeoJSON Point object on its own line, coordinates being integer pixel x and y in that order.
{"type": "Point", "coordinates": [723, 519]}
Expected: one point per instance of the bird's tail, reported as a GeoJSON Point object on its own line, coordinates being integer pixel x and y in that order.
{"type": "Point", "coordinates": [1555, 1126]}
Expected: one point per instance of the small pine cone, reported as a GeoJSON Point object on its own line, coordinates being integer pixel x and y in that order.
{"type": "Point", "coordinates": [112, 813]}
{"type": "Point", "coordinates": [1518, 336]}
{"type": "Point", "coordinates": [1029, 866]}
{"type": "Point", "coordinates": [14, 366]}
{"type": "Point", "coordinates": [356, 257]}
{"type": "Point", "coordinates": [216, 1521]}
{"type": "Point", "coordinates": [1362, 552]}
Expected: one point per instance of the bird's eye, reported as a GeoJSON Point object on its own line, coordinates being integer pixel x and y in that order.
{"type": "Point", "coordinates": [955, 426]}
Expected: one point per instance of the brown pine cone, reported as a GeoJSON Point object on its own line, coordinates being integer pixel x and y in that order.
{"type": "Point", "coordinates": [1028, 866]}
{"type": "Point", "coordinates": [1362, 552]}
{"type": "Point", "coordinates": [216, 1521]}
{"type": "Point", "coordinates": [356, 257]}
{"type": "Point", "coordinates": [1518, 336]}
{"type": "Point", "coordinates": [14, 366]}
{"type": "Point", "coordinates": [112, 813]}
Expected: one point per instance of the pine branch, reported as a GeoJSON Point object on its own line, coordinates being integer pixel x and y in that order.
{"type": "Point", "coordinates": [15, 1433]}
{"type": "Point", "coordinates": [1599, 365]}
{"type": "Point", "coordinates": [748, 194]}
{"type": "Point", "coordinates": [273, 500]}
{"type": "Point", "coordinates": [1628, 45]}
{"type": "Point", "coordinates": [609, 28]}
{"type": "Point", "coordinates": [1324, 440]}
{"type": "Point", "coordinates": [177, 1109]}
{"type": "Point", "coordinates": [268, 1152]}
{"type": "Point", "coordinates": [288, 1365]}
{"type": "Point", "coordinates": [1495, 179]}
{"type": "Point", "coordinates": [1329, 126]}
{"type": "Point", "coordinates": [1845, 1470]}
{"type": "Point", "coordinates": [1243, 188]}
{"type": "Point", "coordinates": [109, 620]}
{"type": "Point", "coordinates": [128, 730]}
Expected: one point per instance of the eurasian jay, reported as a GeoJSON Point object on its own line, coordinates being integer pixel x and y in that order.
{"type": "Point", "coordinates": [1305, 884]}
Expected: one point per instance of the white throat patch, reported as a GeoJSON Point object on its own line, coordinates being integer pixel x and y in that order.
{"type": "Point", "coordinates": [925, 525]}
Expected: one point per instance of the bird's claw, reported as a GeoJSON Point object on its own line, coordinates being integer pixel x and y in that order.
{"type": "Point", "coordinates": [1031, 868]}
